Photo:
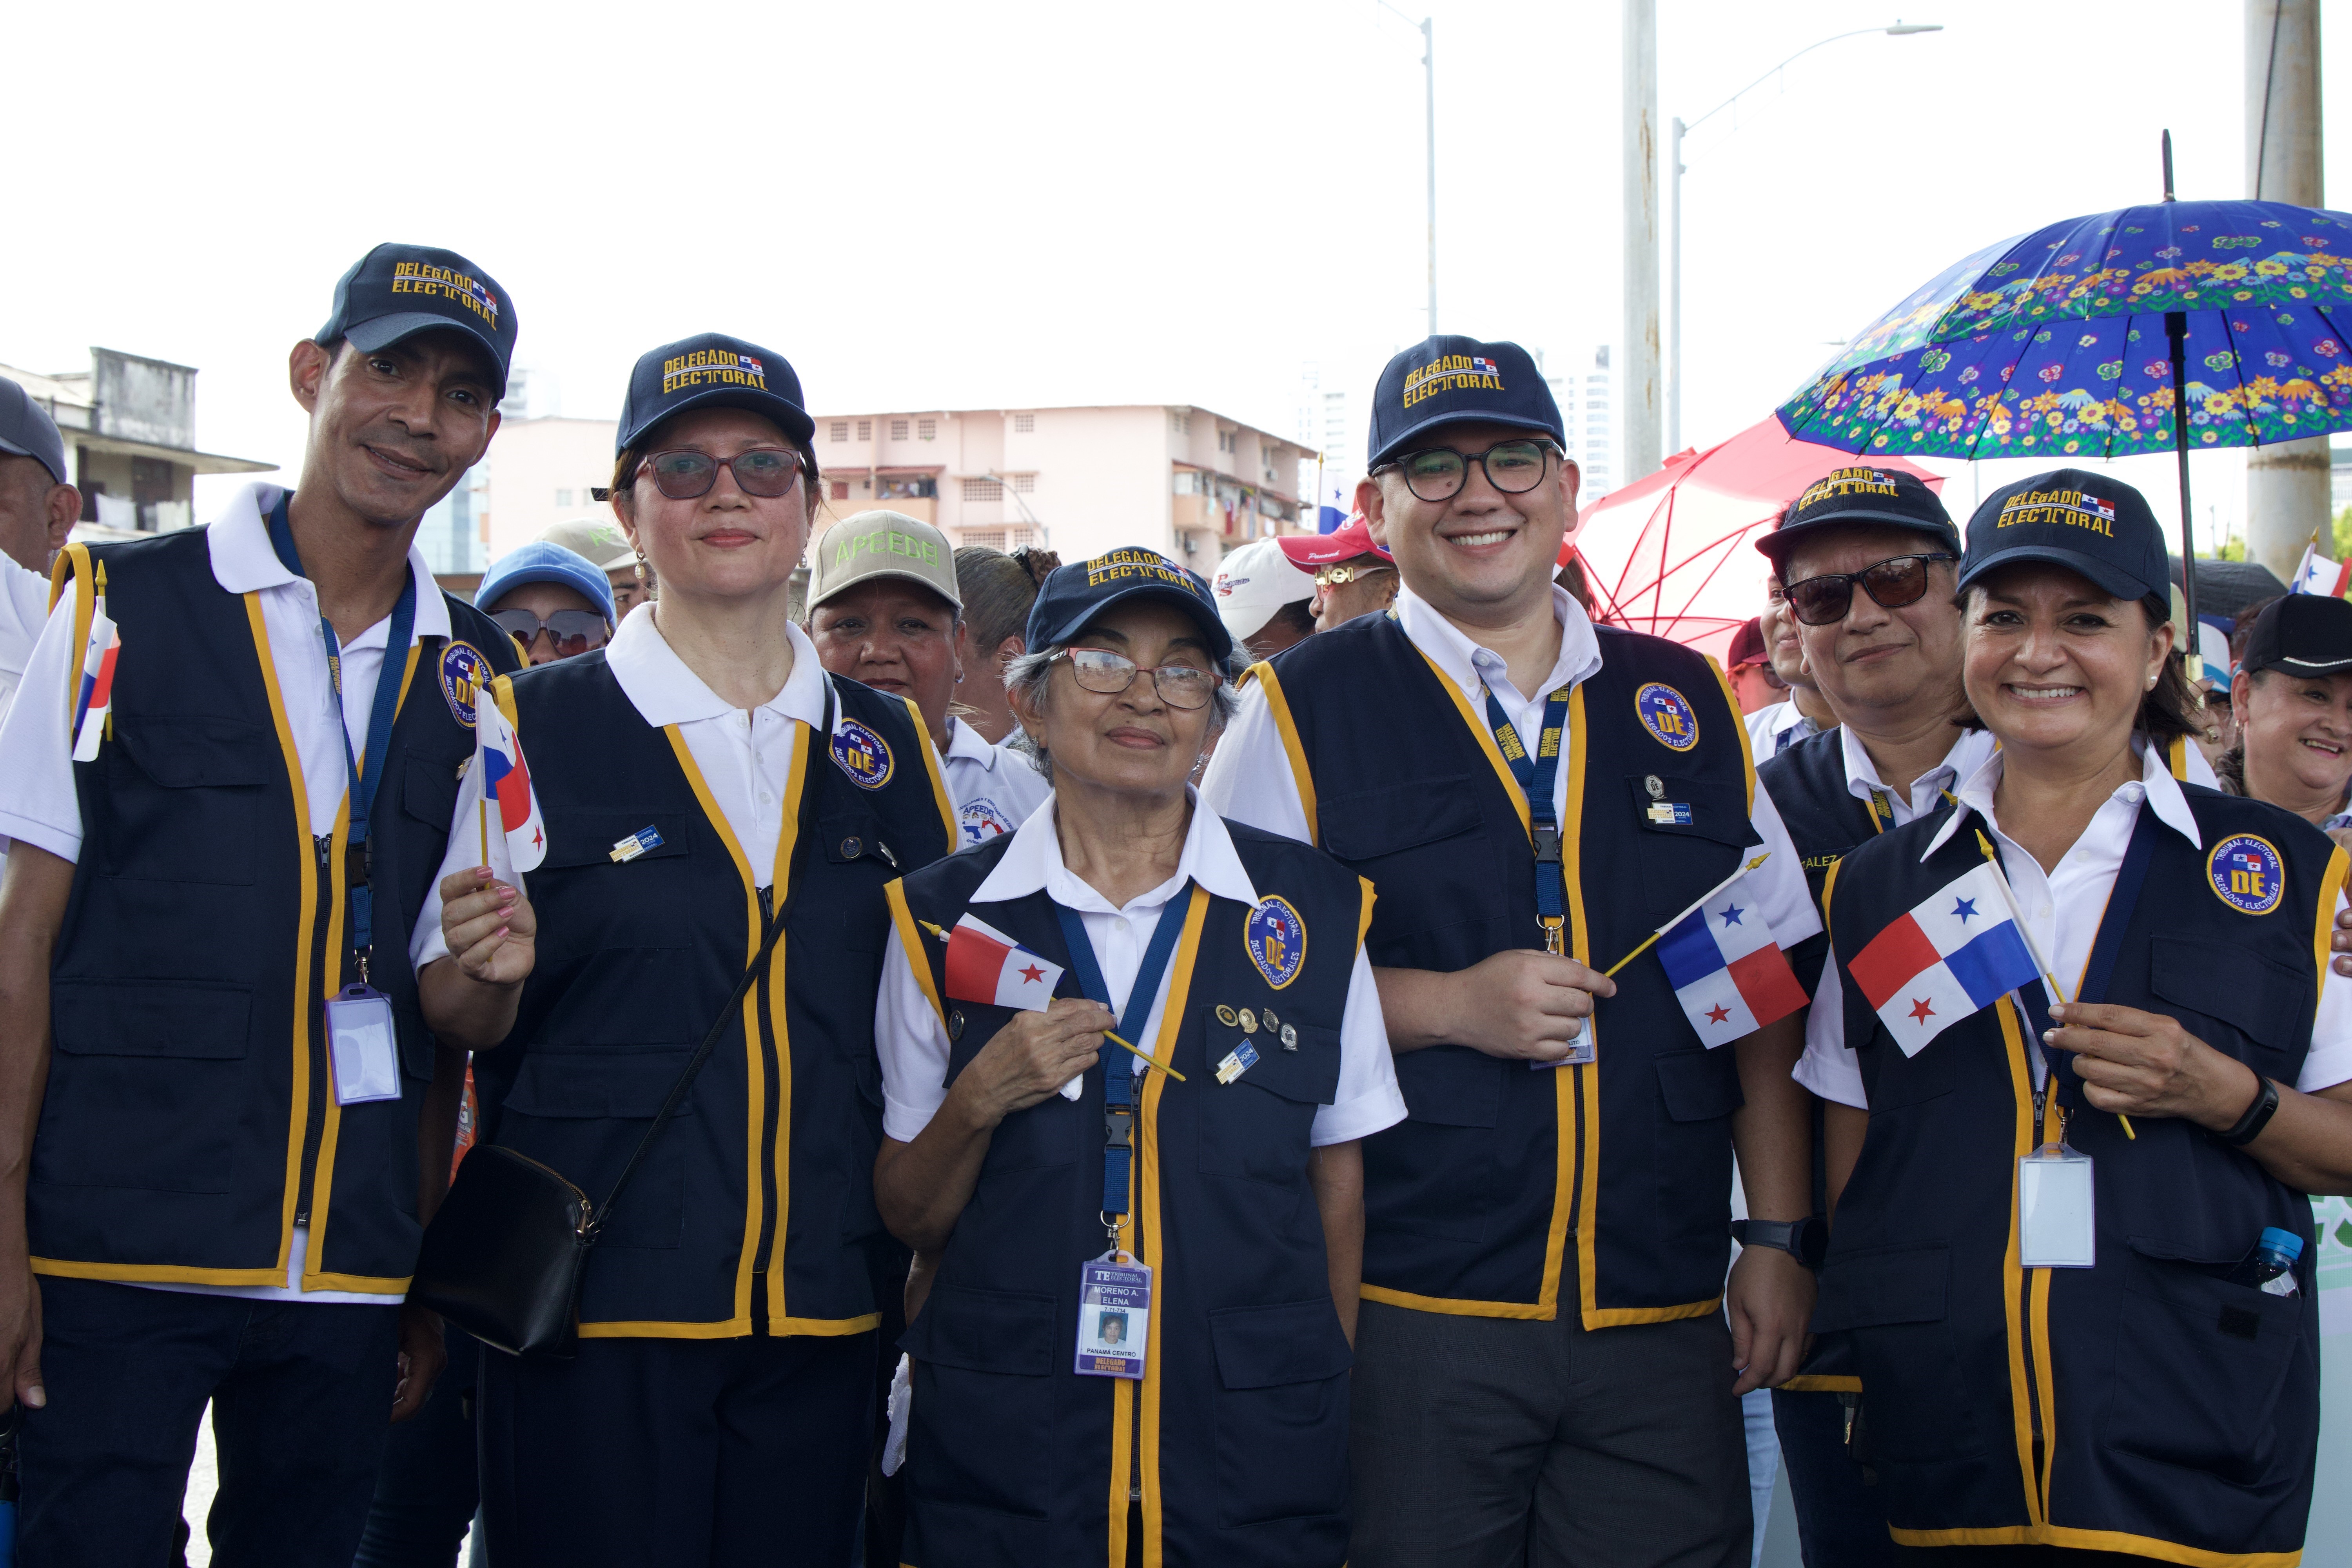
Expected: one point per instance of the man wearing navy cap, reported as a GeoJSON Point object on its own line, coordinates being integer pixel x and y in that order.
{"type": "Point", "coordinates": [1543, 1371]}
{"type": "Point", "coordinates": [230, 771]}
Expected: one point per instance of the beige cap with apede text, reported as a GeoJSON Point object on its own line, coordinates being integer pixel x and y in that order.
{"type": "Point", "coordinates": [882, 544]}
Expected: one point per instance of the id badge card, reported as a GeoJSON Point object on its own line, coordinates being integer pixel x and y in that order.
{"type": "Point", "coordinates": [1582, 1051]}
{"type": "Point", "coordinates": [2056, 1226]}
{"type": "Point", "coordinates": [1114, 1316]}
{"type": "Point", "coordinates": [361, 1047]}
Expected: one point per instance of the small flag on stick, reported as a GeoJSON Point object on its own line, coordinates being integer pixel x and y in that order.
{"type": "Point", "coordinates": [94, 698]}
{"type": "Point", "coordinates": [987, 966]}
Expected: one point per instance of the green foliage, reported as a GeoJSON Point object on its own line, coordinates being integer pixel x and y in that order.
{"type": "Point", "coordinates": [2343, 535]}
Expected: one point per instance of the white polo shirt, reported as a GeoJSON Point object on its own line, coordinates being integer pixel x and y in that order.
{"type": "Point", "coordinates": [914, 1043]}
{"type": "Point", "coordinates": [995, 787]}
{"type": "Point", "coordinates": [1250, 779]}
{"type": "Point", "coordinates": [1969, 750]}
{"type": "Point", "coordinates": [1772, 730]}
{"type": "Point", "coordinates": [38, 801]}
{"type": "Point", "coordinates": [2063, 910]}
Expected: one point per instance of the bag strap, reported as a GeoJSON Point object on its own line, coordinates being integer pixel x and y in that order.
{"type": "Point", "coordinates": [819, 742]}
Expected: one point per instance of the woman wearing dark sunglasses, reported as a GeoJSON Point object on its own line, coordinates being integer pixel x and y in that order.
{"type": "Point", "coordinates": [554, 602]}
{"type": "Point", "coordinates": [706, 788]}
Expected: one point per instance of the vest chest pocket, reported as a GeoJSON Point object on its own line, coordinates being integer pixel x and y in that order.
{"type": "Point", "coordinates": [582, 1115]}
{"type": "Point", "coordinates": [1417, 842]}
{"type": "Point", "coordinates": [183, 799]}
{"type": "Point", "coordinates": [588, 903]}
{"type": "Point", "coordinates": [1258, 1126]}
{"type": "Point", "coordinates": [2235, 999]}
{"type": "Point", "coordinates": [148, 1086]}
{"type": "Point", "coordinates": [861, 860]}
{"type": "Point", "coordinates": [1690, 834]}
{"type": "Point", "coordinates": [2200, 1363]}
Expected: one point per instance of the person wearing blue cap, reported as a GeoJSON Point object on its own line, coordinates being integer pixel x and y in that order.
{"type": "Point", "coordinates": [229, 774]}
{"type": "Point", "coordinates": [1543, 1373]}
{"type": "Point", "coordinates": [1129, 1051]}
{"type": "Point", "coordinates": [719, 810]}
{"type": "Point", "coordinates": [2069, 1152]}
{"type": "Point", "coordinates": [550, 600]}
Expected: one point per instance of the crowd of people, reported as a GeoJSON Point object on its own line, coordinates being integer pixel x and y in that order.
{"type": "Point", "coordinates": [1078, 1063]}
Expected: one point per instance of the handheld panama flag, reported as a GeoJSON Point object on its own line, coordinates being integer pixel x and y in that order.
{"type": "Point", "coordinates": [94, 697]}
{"type": "Point", "coordinates": [988, 966]}
{"type": "Point", "coordinates": [2316, 573]}
{"type": "Point", "coordinates": [1726, 967]}
{"type": "Point", "coordinates": [506, 783]}
{"type": "Point", "coordinates": [1956, 952]}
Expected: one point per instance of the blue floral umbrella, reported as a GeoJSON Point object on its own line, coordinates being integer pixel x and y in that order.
{"type": "Point", "coordinates": [2083, 340]}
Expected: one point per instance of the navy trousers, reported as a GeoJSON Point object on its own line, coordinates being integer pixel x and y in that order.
{"type": "Point", "coordinates": [677, 1452]}
{"type": "Point", "coordinates": [426, 1493]}
{"type": "Point", "coordinates": [1841, 1522]}
{"type": "Point", "coordinates": [301, 1397]}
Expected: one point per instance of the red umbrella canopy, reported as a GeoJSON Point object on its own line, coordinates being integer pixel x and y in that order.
{"type": "Point", "coordinates": [1675, 553]}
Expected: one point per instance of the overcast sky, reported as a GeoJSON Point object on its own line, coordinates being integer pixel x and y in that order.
{"type": "Point", "coordinates": [972, 204]}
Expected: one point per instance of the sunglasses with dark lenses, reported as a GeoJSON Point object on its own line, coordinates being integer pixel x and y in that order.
{"type": "Point", "coordinates": [1513, 467]}
{"type": "Point", "coordinates": [573, 632]}
{"type": "Point", "coordinates": [763, 472]}
{"type": "Point", "coordinates": [1897, 581]}
{"type": "Point", "coordinates": [1099, 671]}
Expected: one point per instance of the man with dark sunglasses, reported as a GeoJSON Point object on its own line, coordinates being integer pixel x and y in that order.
{"type": "Point", "coordinates": [554, 603]}
{"type": "Point", "coordinates": [1543, 1370]}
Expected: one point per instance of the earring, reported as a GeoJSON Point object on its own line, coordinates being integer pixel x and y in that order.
{"type": "Point", "coordinates": [641, 568]}
{"type": "Point", "coordinates": [2151, 683]}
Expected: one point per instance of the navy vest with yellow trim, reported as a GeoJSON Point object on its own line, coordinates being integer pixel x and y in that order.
{"type": "Point", "coordinates": [1470, 1203]}
{"type": "Point", "coordinates": [189, 1121]}
{"type": "Point", "coordinates": [2144, 1406]}
{"type": "Point", "coordinates": [754, 1210]}
{"type": "Point", "coordinates": [1237, 1433]}
{"type": "Point", "coordinates": [1809, 788]}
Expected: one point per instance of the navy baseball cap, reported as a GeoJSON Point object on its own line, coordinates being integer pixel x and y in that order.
{"type": "Point", "coordinates": [1861, 494]}
{"type": "Point", "coordinates": [1456, 380]}
{"type": "Point", "coordinates": [711, 370]}
{"type": "Point", "coordinates": [2302, 634]}
{"type": "Point", "coordinates": [396, 291]}
{"type": "Point", "coordinates": [2084, 521]}
{"type": "Point", "coordinates": [1074, 595]}
{"type": "Point", "coordinates": [540, 562]}
{"type": "Point", "coordinates": [28, 431]}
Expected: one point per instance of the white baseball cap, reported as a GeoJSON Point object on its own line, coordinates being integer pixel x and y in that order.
{"type": "Point", "coordinates": [1254, 582]}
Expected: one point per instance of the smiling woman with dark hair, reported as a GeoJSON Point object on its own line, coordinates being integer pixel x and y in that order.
{"type": "Point", "coordinates": [1128, 1051]}
{"type": "Point", "coordinates": [2292, 698]}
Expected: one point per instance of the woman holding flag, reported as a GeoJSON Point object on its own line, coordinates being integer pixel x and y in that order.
{"type": "Point", "coordinates": [711, 802]}
{"type": "Point", "coordinates": [1127, 1052]}
{"type": "Point", "coordinates": [2083, 1068]}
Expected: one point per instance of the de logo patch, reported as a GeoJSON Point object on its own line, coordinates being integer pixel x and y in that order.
{"type": "Point", "coordinates": [465, 676]}
{"type": "Point", "coordinates": [864, 755]}
{"type": "Point", "coordinates": [2247, 874]}
{"type": "Point", "coordinates": [1667, 715]}
{"type": "Point", "coordinates": [1277, 940]}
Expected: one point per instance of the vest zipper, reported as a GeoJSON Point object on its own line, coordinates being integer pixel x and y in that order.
{"type": "Point", "coordinates": [1135, 1218]}
{"type": "Point", "coordinates": [313, 1119]}
{"type": "Point", "coordinates": [766, 1260]}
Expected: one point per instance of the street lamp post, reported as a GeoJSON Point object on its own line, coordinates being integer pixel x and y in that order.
{"type": "Point", "coordinates": [1675, 206]}
{"type": "Point", "coordinates": [1429, 79]}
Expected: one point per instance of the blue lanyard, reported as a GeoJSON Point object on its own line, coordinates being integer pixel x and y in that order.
{"type": "Point", "coordinates": [1119, 1080]}
{"type": "Point", "coordinates": [1536, 776]}
{"type": "Point", "coordinates": [364, 772]}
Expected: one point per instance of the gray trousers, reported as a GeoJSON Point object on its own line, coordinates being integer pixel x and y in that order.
{"type": "Point", "coordinates": [1508, 1443]}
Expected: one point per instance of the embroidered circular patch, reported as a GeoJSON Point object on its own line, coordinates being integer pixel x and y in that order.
{"type": "Point", "coordinates": [2247, 874]}
{"type": "Point", "coordinates": [981, 821]}
{"type": "Point", "coordinates": [1667, 715]}
{"type": "Point", "coordinates": [864, 755]}
{"type": "Point", "coordinates": [1277, 940]}
{"type": "Point", "coordinates": [466, 675]}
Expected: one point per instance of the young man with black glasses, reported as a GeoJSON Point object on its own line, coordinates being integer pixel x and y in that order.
{"type": "Point", "coordinates": [1543, 1370]}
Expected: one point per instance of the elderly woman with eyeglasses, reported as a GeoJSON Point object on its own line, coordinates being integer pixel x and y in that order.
{"type": "Point", "coordinates": [1128, 1051]}
{"type": "Point", "coordinates": [713, 803]}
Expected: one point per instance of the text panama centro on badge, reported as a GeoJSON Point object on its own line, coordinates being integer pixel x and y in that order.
{"type": "Point", "coordinates": [465, 673]}
{"type": "Point", "coordinates": [1667, 715]}
{"type": "Point", "coordinates": [1277, 940]}
{"type": "Point", "coordinates": [864, 755]}
{"type": "Point", "coordinates": [2247, 874]}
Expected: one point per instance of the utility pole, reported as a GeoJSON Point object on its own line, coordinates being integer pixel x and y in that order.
{"type": "Point", "coordinates": [1638, 386]}
{"type": "Point", "coordinates": [2287, 483]}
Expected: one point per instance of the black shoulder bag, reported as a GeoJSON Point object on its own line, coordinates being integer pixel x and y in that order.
{"type": "Point", "coordinates": [503, 1257]}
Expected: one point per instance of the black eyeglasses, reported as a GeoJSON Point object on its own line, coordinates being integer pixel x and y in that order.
{"type": "Point", "coordinates": [1897, 581]}
{"type": "Point", "coordinates": [573, 632]}
{"type": "Point", "coordinates": [765, 471]}
{"type": "Point", "coordinates": [1513, 467]}
{"type": "Point", "coordinates": [1099, 671]}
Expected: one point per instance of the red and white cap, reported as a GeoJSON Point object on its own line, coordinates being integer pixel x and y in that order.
{"type": "Point", "coordinates": [1343, 543]}
{"type": "Point", "coordinates": [1256, 581]}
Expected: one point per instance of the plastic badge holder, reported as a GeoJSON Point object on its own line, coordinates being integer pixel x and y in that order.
{"type": "Point", "coordinates": [1582, 1051]}
{"type": "Point", "coordinates": [360, 1045]}
{"type": "Point", "coordinates": [2057, 1227]}
{"type": "Point", "coordinates": [1114, 1316]}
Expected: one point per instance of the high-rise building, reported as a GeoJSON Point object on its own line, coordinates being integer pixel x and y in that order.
{"type": "Point", "coordinates": [1588, 407]}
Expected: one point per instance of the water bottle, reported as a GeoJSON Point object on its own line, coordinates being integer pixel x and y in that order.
{"type": "Point", "coordinates": [2270, 1267]}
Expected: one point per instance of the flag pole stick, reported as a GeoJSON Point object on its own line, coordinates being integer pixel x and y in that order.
{"type": "Point", "coordinates": [1148, 1058]}
{"type": "Point", "coordinates": [482, 810]}
{"type": "Point", "coordinates": [1612, 971]}
{"type": "Point", "coordinates": [2017, 917]}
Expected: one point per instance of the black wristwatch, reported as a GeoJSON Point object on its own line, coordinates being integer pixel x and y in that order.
{"type": "Point", "coordinates": [2257, 1117]}
{"type": "Point", "coordinates": [1803, 1239]}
